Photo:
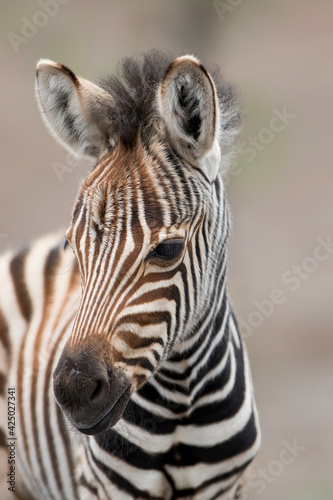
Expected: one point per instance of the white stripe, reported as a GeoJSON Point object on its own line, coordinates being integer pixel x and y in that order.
{"type": "Point", "coordinates": [150, 480]}
{"type": "Point", "coordinates": [192, 435]}
{"type": "Point", "coordinates": [197, 474]}
{"type": "Point", "coordinates": [9, 305]}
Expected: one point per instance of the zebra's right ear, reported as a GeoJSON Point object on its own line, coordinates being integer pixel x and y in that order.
{"type": "Point", "coordinates": [73, 109]}
{"type": "Point", "coordinates": [187, 102]}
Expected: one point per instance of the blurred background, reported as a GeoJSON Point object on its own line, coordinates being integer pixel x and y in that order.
{"type": "Point", "coordinates": [279, 53]}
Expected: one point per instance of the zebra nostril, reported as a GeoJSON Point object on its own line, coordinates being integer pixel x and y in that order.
{"type": "Point", "coordinates": [96, 393]}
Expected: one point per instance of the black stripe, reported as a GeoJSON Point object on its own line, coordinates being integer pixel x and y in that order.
{"type": "Point", "coordinates": [149, 392]}
{"type": "Point", "coordinates": [83, 482]}
{"type": "Point", "coordinates": [228, 407]}
{"type": "Point", "coordinates": [211, 329]}
{"type": "Point", "coordinates": [3, 440]}
{"type": "Point", "coordinates": [203, 415]}
{"type": "Point", "coordinates": [98, 480]}
{"type": "Point", "coordinates": [190, 492]}
{"type": "Point", "coordinates": [148, 421]}
{"type": "Point", "coordinates": [140, 361]}
{"type": "Point", "coordinates": [111, 442]}
{"type": "Point", "coordinates": [50, 267]}
{"type": "Point", "coordinates": [180, 455]}
{"type": "Point", "coordinates": [17, 268]}
{"type": "Point", "coordinates": [60, 416]}
{"type": "Point", "coordinates": [4, 333]}
{"type": "Point", "coordinates": [190, 455]}
{"type": "Point", "coordinates": [216, 384]}
{"type": "Point", "coordinates": [122, 483]}
{"type": "Point", "coordinates": [222, 491]}
{"type": "Point", "coordinates": [204, 233]}
{"type": "Point", "coordinates": [2, 384]}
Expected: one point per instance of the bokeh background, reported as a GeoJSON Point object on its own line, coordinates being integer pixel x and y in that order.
{"type": "Point", "coordinates": [280, 55]}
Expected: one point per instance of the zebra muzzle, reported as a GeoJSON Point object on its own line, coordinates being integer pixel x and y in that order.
{"type": "Point", "coordinates": [92, 394]}
{"type": "Point", "coordinates": [112, 417]}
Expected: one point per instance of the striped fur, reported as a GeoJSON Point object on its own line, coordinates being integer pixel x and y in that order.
{"type": "Point", "coordinates": [190, 427]}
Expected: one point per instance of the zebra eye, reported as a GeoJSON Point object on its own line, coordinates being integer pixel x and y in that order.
{"type": "Point", "coordinates": [66, 245]}
{"type": "Point", "coordinates": [168, 250]}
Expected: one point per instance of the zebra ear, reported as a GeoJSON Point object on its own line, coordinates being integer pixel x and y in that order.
{"type": "Point", "coordinates": [73, 109]}
{"type": "Point", "coordinates": [188, 104]}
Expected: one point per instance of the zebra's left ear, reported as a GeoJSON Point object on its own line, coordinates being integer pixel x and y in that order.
{"type": "Point", "coordinates": [73, 109]}
{"type": "Point", "coordinates": [188, 104]}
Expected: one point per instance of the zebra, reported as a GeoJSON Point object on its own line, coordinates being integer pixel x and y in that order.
{"type": "Point", "coordinates": [120, 347]}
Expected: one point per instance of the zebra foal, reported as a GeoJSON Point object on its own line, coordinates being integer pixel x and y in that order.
{"type": "Point", "coordinates": [130, 376]}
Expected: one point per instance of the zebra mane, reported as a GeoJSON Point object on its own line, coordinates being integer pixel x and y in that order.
{"type": "Point", "coordinates": [133, 90]}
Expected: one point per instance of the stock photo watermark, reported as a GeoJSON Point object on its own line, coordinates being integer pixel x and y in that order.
{"type": "Point", "coordinates": [61, 169]}
{"type": "Point", "coordinates": [292, 278]}
{"type": "Point", "coordinates": [224, 7]}
{"type": "Point", "coordinates": [249, 148]}
{"type": "Point", "coordinates": [30, 27]}
{"type": "Point", "coordinates": [259, 480]}
{"type": "Point", "coordinates": [11, 438]}
{"type": "Point", "coordinates": [254, 144]}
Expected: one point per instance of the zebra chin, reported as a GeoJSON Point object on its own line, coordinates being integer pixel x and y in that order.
{"type": "Point", "coordinates": [90, 391]}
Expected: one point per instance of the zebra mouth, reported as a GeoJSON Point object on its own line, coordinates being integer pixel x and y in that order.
{"type": "Point", "coordinates": [112, 417]}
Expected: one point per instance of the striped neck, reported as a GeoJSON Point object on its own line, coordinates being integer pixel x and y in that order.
{"type": "Point", "coordinates": [200, 361]}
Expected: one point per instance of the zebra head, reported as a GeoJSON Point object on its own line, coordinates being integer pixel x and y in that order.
{"type": "Point", "coordinates": [149, 224]}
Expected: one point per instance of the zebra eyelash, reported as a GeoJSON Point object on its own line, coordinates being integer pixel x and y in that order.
{"type": "Point", "coordinates": [167, 250]}
{"type": "Point", "coordinates": [67, 245]}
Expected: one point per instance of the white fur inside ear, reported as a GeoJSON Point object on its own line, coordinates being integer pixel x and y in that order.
{"type": "Point", "coordinates": [210, 161]}
{"type": "Point", "coordinates": [70, 107]}
{"type": "Point", "coordinates": [58, 103]}
{"type": "Point", "coordinates": [187, 102]}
